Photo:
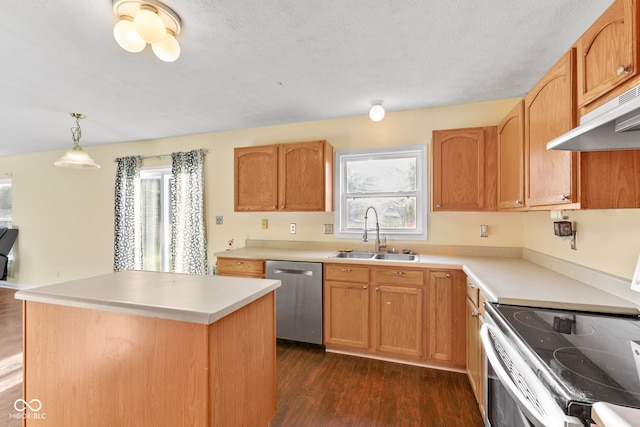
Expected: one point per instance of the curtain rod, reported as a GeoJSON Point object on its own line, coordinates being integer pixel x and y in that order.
{"type": "Point", "coordinates": [161, 156]}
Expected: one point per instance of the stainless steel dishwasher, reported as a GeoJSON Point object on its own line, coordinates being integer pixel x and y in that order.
{"type": "Point", "coordinates": [298, 300]}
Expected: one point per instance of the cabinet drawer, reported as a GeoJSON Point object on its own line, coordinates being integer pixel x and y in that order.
{"type": "Point", "coordinates": [241, 267]}
{"type": "Point", "coordinates": [346, 273]}
{"type": "Point", "coordinates": [398, 276]}
{"type": "Point", "coordinates": [473, 292]}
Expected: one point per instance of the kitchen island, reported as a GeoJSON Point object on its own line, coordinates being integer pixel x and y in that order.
{"type": "Point", "coordinates": [148, 349]}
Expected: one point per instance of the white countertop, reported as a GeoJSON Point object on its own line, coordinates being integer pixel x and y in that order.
{"type": "Point", "coordinates": [184, 297]}
{"type": "Point", "coordinates": [608, 415]}
{"type": "Point", "coordinates": [507, 280]}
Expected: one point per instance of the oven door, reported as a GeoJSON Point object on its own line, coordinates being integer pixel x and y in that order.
{"type": "Point", "coordinates": [515, 396]}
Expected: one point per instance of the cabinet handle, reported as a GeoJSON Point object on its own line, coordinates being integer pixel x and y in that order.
{"type": "Point", "coordinates": [365, 287]}
{"type": "Point", "coordinates": [346, 270]}
{"type": "Point", "coordinates": [565, 197]}
{"type": "Point", "coordinates": [399, 273]}
{"type": "Point", "coordinates": [518, 202]}
{"type": "Point", "coordinates": [471, 285]}
{"type": "Point", "coordinates": [624, 69]}
{"type": "Point", "coordinates": [378, 289]}
{"type": "Point", "coordinates": [448, 276]}
{"type": "Point", "coordinates": [475, 314]}
{"type": "Point", "coordinates": [438, 205]}
{"type": "Point", "coordinates": [239, 262]}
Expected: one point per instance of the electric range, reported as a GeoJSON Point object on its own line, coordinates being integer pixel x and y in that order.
{"type": "Point", "coordinates": [579, 357]}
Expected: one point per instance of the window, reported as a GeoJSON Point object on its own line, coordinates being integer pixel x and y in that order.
{"type": "Point", "coordinates": [155, 184]}
{"type": "Point", "coordinates": [393, 181]}
{"type": "Point", "coordinates": [5, 203]}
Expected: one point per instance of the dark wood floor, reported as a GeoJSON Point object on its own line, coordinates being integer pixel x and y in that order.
{"type": "Point", "coordinates": [327, 389]}
{"type": "Point", "coordinates": [10, 356]}
{"type": "Point", "coordinates": [315, 388]}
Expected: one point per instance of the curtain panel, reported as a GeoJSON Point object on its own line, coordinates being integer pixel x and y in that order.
{"type": "Point", "coordinates": [188, 235]}
{"type": "Point", "coordinates": [128, 221]}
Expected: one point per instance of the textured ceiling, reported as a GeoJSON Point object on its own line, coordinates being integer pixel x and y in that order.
{"type": "Point", "coordinates": [248, 63]}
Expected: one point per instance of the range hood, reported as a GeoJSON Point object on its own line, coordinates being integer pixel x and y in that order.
{"type": "Point", "coordinates": [608, 127]}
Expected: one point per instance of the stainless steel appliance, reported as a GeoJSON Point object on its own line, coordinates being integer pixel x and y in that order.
{"type": "Point", "coordinates": [546, 367]}
{"type": "Point", "coordinates": [298, 300]}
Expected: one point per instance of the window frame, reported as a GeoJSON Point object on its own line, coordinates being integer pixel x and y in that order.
{"type": "Point", "coordinates": [421, 192]}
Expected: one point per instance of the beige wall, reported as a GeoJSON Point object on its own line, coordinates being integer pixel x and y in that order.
{"type": "Point", "coordinates": [65, 216]}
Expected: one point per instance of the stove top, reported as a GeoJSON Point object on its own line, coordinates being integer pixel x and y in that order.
{"type": "Point", "coordinates": [583, 357]}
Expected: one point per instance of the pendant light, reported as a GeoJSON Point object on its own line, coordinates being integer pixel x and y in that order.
{"type": "Point", "coordinates": [142, 22]}
{"type": "Point", "coordinates": [376, 113]}
{"type": "Point", "coordinates": [77, 158]}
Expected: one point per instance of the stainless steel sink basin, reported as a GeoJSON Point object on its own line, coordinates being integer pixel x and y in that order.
{"type": "Point", "coordinates": [381, 256]}
{"type": "Point", "coordinates": [360, 255]}
{"type": "Point", "coordinates": [397, 257]}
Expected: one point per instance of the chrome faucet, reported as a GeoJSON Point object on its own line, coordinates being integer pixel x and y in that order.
{"type": "Point", "coordinates": [365, 237]}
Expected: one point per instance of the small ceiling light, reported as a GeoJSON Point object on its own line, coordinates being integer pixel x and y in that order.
{"type": "Point", "coordinates": [147, 21]}
{"type": "Point", "coordinates": [76, 157]}
{"type": "Point", "coordinates": [376, 113]}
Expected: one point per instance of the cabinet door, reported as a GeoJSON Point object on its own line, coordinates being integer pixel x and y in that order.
{"type": "Point", "coordinates": [306, 171]}
{"type": "Point", "coordinates": [256, 178]}
{"type": "Point", "coordinates": [474, 351]}
{"type": "Point", "coordinates": [511, 159]}
{"type": "Point", "coordinates": [607, 53]}
{"type": "Point", "coordinates": [551, 175]}
{"type": "Point", "coordinates": [610, 179]}
{"type": "Point", "coordinates": [446, 319]}
{"type": "Point", "coordinates": [398, 319]}
{"type": "Point", "coordinates": [346, 314]}
{"type": "Point", "coordinates": [464, 169]}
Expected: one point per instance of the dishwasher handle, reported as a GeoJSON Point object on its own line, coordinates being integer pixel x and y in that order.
{"type": "Point", "coordinates": [292, 271]}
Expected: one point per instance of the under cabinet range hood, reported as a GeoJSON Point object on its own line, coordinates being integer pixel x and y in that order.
{"type": "Point", "coordinates": [608, 127]}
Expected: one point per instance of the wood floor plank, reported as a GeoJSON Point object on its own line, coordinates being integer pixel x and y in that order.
{"type": "Point", "coordinates": [354, 391]}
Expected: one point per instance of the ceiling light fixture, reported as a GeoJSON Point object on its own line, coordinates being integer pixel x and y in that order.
{"type": "Point", "coordinates": [76, 157]}
{"type": "Point", "coordinates": [376, 113]}
{"type": "Point", "coordinates": [147, 21]}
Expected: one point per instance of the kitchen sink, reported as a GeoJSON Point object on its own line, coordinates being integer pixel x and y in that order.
{"type": "Point", "coordinates": [360, 255]}
{"type": "Point", "coordinates": [381, 256]}
{"type": "Point", "coordinates": [397, 257]}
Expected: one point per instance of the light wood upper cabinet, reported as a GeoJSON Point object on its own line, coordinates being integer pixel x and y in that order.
{"type": "Point", "coordinates": [464, 169]}
{"type": "Point", "coordinates": [511, 159]}
{"type": "Point", "coordinates": [291, 177]}
{"type": "Point", "coordinates": [550, 110]}
{"type": "Point", "coordinates": [608, 52]}
{"type": "Point", "coordinates": [446, 308]}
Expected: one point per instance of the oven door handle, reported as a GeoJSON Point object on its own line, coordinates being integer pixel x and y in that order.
{"type": "Point", "coordinates": [540, 419]}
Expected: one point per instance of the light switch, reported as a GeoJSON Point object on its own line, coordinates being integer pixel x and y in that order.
{"type": "Point", "coordinates": [265, 224]}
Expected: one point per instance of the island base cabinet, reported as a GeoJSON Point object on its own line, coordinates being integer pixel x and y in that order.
{"type": "Point", "coordinates": [98, 368]}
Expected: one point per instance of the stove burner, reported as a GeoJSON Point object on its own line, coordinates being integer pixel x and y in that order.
{"type": "Point", "coordinates": [534, 321]}
{"type": "Point", "coordinates": [584, 363]}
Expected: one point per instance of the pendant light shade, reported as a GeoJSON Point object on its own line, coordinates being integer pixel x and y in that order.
{"type": "Point", "coordinates": [77, 158]}
{"type": "Point", "coordinates": [142, 22]}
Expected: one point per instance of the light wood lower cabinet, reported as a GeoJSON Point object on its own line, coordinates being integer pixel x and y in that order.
{"type": "Point", "coordinates": [242, 267]}
{"type": "Point", "coordinates": [406, 313]}
{"type": "Point", "coordinates": [475, 352]}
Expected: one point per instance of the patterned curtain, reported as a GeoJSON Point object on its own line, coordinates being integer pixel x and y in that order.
{"type": "Point", "coordinates": [128, 221]}
{"type": "Point", "coordinates": [188, 237]}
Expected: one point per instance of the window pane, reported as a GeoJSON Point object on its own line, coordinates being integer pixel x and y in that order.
{"type": "Point", "coordinates": [151, 224]}
{"type": "Point", "coordinates": [381, 175]}
{"type": "Point", "coordinates": [5, 203]}
{"type": "Point", "coordinates": [394, 213]}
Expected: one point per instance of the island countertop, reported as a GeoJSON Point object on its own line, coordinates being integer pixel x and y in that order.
{"type": "Point", "coordinates": [184, 297]}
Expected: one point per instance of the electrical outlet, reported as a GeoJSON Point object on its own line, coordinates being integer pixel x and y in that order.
{"type": "Point", "coordinates": [327, 228]}
{"type": "Point", "coordinates": [635, 282]}
{"type": "Point", "coordinates": [219, 220]}
{"type": "Point", "coordinates": [292, 228]}
{"type": "Point", "coordinates": [265, 224]}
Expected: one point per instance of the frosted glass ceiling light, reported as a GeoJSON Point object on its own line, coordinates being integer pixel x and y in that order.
{"type": "Point", "coordinates": [77, 158]}
{"type": "Point", "coordinates": [147, 21]}
{"type": "Point", "coordinates": [376, 113]}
